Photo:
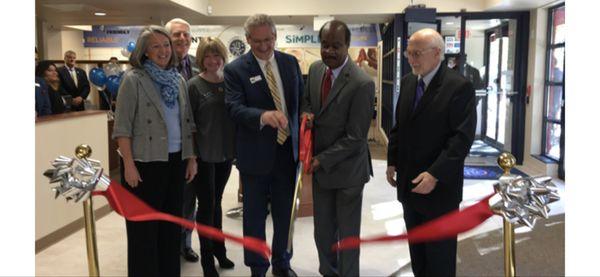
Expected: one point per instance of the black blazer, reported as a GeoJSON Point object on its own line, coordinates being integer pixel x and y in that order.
{"type": "Point", "coordinates": [436, 138]}
{"type": "Point", "coordinates": [83, 85]}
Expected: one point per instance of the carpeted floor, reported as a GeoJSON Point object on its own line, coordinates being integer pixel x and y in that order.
{"type": "Point", "coordinates": [540, 252]}
{"type": "Point", "coordinates": [488, 172]}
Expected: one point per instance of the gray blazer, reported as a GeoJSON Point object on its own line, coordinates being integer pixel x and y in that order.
{"type": "Point", "coordinates": [341, 127]}
{"type": "Point", "coordinates": [140, 116]}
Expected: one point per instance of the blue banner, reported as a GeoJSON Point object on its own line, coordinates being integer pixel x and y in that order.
{"type": "Point", "coordinates": [110, 36]}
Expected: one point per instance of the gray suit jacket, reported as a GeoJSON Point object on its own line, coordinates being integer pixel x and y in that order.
{"type": "Point", "coordinates": [341, 125]}
{"type": "Point", "coordinates": [140, 116]}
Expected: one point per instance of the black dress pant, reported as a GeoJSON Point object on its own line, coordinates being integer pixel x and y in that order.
{"type": "Point", "coordinates": [209, 186]}
{"type": "Point", "coordinates": [153, 246]}
{"type": "Point", "coordinates": [435, 259]}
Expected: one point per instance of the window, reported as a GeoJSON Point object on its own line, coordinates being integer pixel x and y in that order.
{"type": "Point", "coordinates": [554, 88]}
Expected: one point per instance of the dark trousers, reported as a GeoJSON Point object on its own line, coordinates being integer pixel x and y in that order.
{"type": "Point", "coordinates": [337, 215]}
{"type": "Point", "coordinates": [278, 186]}
{"type": "Point", "coordinates": [153, 246]}
{"type": "Point", "coordinates": [188, 212]}
{"type": "Point", "coordinates": [209, 185]}
{"type": "Point", "coordinates": [436, 258]}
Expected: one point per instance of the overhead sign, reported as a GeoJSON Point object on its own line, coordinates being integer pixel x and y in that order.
{"type": "Point", "coordinates": [110, 36]}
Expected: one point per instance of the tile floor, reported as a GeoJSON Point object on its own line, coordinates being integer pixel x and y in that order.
{"type": "Point", "coordinates": [381, 214]}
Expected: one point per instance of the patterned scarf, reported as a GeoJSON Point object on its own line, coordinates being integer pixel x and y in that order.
{"type": "Point", "coordinates": [166, 79]}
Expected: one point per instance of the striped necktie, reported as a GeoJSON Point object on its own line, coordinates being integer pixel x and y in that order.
{"type": "Point", "coordinates": [282, 134]}
{"type": "Point", "coordinates": [74, 75]}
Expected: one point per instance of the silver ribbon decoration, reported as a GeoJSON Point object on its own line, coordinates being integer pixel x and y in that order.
{"type": "Point", "coordinates": [523, 200]}
{"type": "Point", "coordinates": [77, 178]}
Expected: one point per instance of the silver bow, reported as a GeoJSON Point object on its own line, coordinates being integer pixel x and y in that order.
{"type": "Point", "coordinates": [77, 178]}
{"type": "Point", "coordinates": [523, 200]}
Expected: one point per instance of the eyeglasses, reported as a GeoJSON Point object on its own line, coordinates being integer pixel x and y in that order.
{"type": "Point", "coordinates": [268, 40]}
{"type": "Point", "coordinates": [416, 54]}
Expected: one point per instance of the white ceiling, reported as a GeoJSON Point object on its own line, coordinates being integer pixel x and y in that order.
{"type": "Point", "coordinates": [142, 12]}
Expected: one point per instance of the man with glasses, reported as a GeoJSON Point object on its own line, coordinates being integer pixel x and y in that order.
{"type": "Point", "coordinates": [435, 127]}
{"type": "Point", "coordinates": [263, 90]}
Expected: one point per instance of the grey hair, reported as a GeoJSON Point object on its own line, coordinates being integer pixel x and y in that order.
{"type": "Point", "coordinates": [176, 20]}
{"type": "Point", "coordinates": [70, 52]}
{"type": "Point", "coordinates": [259, 20]}
{"type": "Point", "coordinates": [138, 55]}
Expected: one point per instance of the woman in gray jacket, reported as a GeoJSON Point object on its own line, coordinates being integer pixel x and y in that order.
{"type": "Point", "coordinates": [154, 130]}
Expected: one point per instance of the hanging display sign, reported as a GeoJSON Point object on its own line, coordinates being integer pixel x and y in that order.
{"type": "Point", "coordinates": [110, 36]}
{"type": "Point", "coordinates": [362, 35]}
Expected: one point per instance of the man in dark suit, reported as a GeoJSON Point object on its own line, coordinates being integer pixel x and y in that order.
{"type": "Point", "coordinates": [179, 30]}
{"type": "Point", "coordinates": [435, 127]}
{"type": "Point", "coordinates": [75, 81]}
{"type": "Point", "coordinates": [263, 91]}
{"type": "Point", "coordinates": [338, 102]}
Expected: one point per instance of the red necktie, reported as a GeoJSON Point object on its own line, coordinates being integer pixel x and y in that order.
{"type": "Point", "coordinates": [326, 87]}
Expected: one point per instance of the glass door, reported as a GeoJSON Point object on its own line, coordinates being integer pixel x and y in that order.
{"type": "Point", "coordinates": [489, 64]}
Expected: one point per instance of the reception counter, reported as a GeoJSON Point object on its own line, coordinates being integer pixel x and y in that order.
{"type": "Point", "coordinates": [57, 135]}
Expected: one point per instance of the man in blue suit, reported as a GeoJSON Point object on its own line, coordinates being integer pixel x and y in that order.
{"type": "Point", "coordinates": [263, 91]}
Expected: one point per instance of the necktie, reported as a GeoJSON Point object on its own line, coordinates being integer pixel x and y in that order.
{"type": "Point", "coordinates": [73, 75]}
{"type": "Point", "coordinates": [326, 87]}
{"type": "Point", "coordinates": [419, 94]}
{"type": "Point", "coordinates": [282, 134]}
{"type": "Point", "coordinates": [183, 68]}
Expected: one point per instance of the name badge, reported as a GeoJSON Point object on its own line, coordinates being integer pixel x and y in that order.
{"type": "Point", "coordinates": [255, 79]}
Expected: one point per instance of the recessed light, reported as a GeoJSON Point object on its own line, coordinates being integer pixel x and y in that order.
{"type": "Point", "coordinates": [99, 14]}
{"type": "Point", "coordinates": [450, 23]}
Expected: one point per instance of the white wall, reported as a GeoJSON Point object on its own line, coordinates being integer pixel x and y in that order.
{"type": "Point", "coordinates": [474, 45]}
{"type": "Point", "coordinates": [60, 137]}
{"type": "Point", "coordinates": [333, 7]}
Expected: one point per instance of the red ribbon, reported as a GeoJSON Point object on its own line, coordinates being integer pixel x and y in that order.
{"type": "Point", "coordinates": [443, 227]}
{"type": "Point", "coordinates": [134, 209]}
{"type": "Point", "coordinates": [305, 145]}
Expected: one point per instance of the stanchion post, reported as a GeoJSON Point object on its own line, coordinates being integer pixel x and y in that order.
{"type": "Point", "coordinates": [507, 161]}
{"type": "Point", "coordinates": [85, 151]}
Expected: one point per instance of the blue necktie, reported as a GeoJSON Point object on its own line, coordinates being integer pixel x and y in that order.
{"type": "Point", "coordinates": [419, 94]}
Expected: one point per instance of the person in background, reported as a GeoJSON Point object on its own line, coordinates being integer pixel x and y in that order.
{"type": "Point", "coordinates": [47, 71]}
{"type": "Point", "coordinates": [154, 128]}
{"type": "Point", "coordinates": [262, 93]}
{"type": "Point", "coordinates": [215, 141]}
{"type": "Point", "coordinates": [42, 100]}
{"type": "Point", "coordinates": [107, 99]}
{"type": "Point", "coordinates": [179, 30]}
{"type": "Point", "coordinates": [75, 81]}
{"type": "Point", "coordinates": [470, 72]}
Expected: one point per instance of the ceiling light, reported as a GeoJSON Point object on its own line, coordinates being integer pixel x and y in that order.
{"type": "Point", "coordinates": [450, 23]}
{"type": "Point", "coordinates": [80, 27]}
{"type": "Point", "coordinates": [99, 14]}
